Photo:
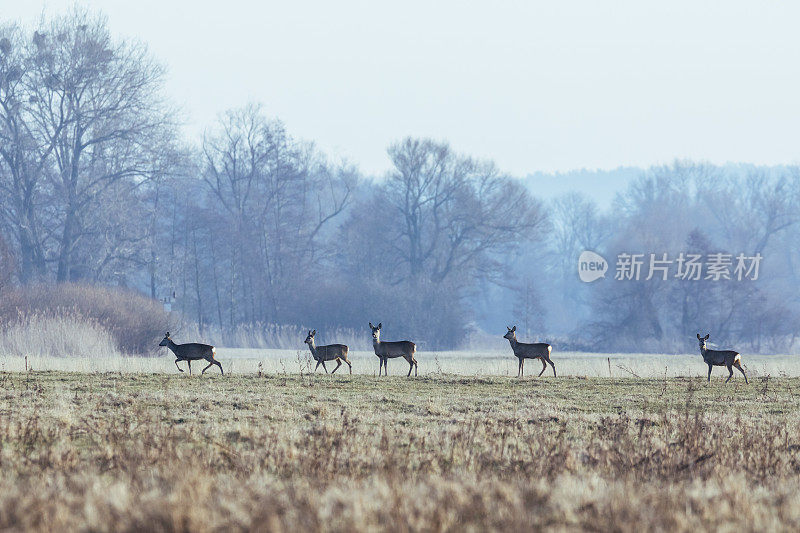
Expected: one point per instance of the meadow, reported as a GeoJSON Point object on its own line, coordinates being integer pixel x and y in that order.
{"type": "Point", "coordinates": [276, 448]}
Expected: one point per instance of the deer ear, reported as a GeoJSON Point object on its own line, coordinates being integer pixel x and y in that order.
{"type": "Point", "coordinates": [698, 336]}
{"type": "Point", "coordinates": [380, 324]}
{"type": "Point", "coordinates": [707, 336]}
{"type": "Point", "coordinates": [167, 335]}
{"type": "Point", "coordinates": [508, 328]}
{"type": "Point", "coordinates": [371, 326]}
{"type": "Point", "coordinates": [313, 333]}
{"type": "Point", "coordinates": [514, 328]}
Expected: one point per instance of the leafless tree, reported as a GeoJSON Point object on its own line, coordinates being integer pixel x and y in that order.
{"type": "Point", "coordinates": [7, 265]}
{"type": "Point", "coordinates": [272, 197]}
{"type": "Point", "coordinates": [448, 214]}
{"type": "Point", "coordinates": [435, 227]}
{"type": "Point", "coordinates": [23, 157]}
{"type": "Point", "coordinates": [96, 104]}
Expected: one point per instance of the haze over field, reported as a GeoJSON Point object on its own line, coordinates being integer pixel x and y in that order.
{"type": "Point", "coordinates": [270, 168]}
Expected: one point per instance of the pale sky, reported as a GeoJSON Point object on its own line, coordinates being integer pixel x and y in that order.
{"type": "Point", "coordinates": [552, 85]}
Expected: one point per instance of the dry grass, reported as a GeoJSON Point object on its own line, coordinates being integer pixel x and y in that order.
{"type": "Point", "coordinates": [304, 453]}
{"type": "Point", "coordinates": [130, 322]}
{"type": "Point", "coordinates": [56, 337]}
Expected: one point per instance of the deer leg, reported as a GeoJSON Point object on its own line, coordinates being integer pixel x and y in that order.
{"type": "Point", "coordinates": [206, 368]}
{"type": "Point", "coordinates": [730, 373]}
{"type": "Point", "coordinates": [220, 366]}
{"type": "Point", "coordinates": [709, 373]}
{"type": "Point", "coordinates": [176, 364]}
{"type": "Point", "coordinates": [338, 364]}
{"type": "Point", "coordinates": [348, 364]}
{"type": "Point", "coordinates": [554, 367]}
{"type": "Point", "coordinates": [325, 367]}
{"type": "Point", "coordinates": [189, 362]}
{"type": "Point", "coordinates": [519, 370]}
{"type": "Point", "coordinates": [410, 365]}
{"type": "Point", "coordinates": [544, 367]}
{"type": "Point", "coordinates": [316, 367]}
{"type": "Point", "coordinates": [739, 366]}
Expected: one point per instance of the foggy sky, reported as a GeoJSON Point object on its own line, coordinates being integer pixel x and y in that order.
{"type": "Point", "coordinates": [536, 86]}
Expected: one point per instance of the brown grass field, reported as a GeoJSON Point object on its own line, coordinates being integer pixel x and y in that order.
{"type": "Point", "coordinates": [299, 452]}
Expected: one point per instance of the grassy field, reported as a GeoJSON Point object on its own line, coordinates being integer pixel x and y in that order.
{"type": "Point", "coordinates": [292, 452]}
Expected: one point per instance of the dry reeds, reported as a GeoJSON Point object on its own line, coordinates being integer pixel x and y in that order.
{"type": "Point", "coordinates": [88, 320]}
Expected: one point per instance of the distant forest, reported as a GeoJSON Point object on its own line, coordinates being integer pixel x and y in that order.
{"type": "Point", "coordinates": [249, 225]}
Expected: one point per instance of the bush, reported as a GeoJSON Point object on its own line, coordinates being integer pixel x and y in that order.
{"type": "Point", "coordinates": [133, 323]}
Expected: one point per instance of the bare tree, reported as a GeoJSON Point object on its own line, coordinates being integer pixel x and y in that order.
{"type": "Point", "coordinates": [22, 157]}
{"type": "Point", "coordinates": [529, 311]}
{"type": "Point", "coordinates": [439, 225]}
{"type": "Point", "coordinates": [96, 104]}
{"type": "Point", "coordinates": [273, 197]}
{"type": "Point", "coordinates": [7, 265]}
{"type": "Point", "coordinates": [455, 214]}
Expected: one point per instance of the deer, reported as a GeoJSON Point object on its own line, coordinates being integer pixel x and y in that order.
{"type": "Point", "coordinates": [386, 350]}
{"type": "Point", "coordinates": [538, 350]}
{"type": "Point", "coordinates": [192, 351]}
{"type": "Point", "coordinates": [329, 352]}
{"type": "Point", "coordinates": [726, 358]}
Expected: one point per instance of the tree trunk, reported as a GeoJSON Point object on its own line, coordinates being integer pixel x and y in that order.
{"type": "Point", "coordinates": [65, 251]}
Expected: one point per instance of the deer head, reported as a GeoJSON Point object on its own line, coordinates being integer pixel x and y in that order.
{"type": "Point", "coordinates": [510, 334]}
{"type": "Point", "coordinates": [376, 331]}
{"type": "Point", "coordinates": [310, 339]}
{"type": "Point", "coordinates": [165, 340]}
{"type": "Point", "coordinates": [702, 341]}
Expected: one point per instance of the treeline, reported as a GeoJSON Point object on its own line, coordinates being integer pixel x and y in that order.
{"type": "Point", "coordinates": [678, 212]}
{"type": "Point", "coordinates": [250, 225]}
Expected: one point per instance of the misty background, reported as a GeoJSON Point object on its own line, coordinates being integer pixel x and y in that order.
{"type": "Point", "coordinates": [241, 222]}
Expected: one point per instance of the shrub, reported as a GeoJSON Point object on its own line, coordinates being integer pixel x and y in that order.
{"type": "Point", "coordinates": [133, 322]}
